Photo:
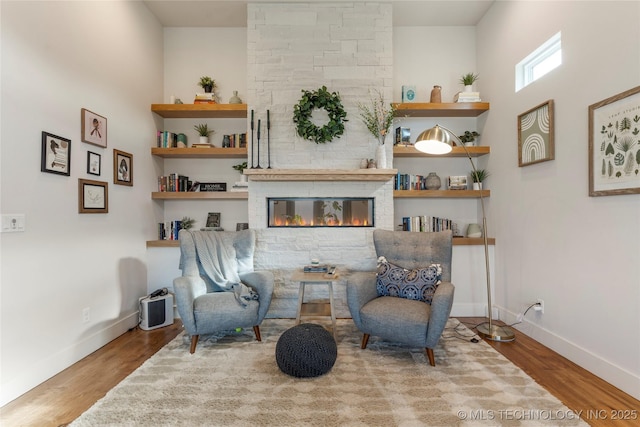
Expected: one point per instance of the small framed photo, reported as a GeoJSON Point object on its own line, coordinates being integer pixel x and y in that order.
{"type": "Point", "coordinates": [614, 146]}
{"type": "Point", "coordinates": [94, 128]}
{"type": "Point", "coordinates": [94, 163]}
{"type": "Point", "coordinates": [56, 154]}
{"type": "Point", "coordinates": [242, 226]}
{"type": "Point", "coordinates": [93, 196]}
{"type": "Point", "coordinates": [408, 93]}
{"type": "Point", "coordinates": [213, 219]}
{"type": "Point", "coordinates": [122, 168]}
{"type": "Point", "coordinates": [535, 135]}
{"type": "Point", "coordinates": [458, 182]}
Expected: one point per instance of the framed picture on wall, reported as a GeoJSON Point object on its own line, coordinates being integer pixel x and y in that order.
{"type": "Point", "coordinates": [614, 145]}
{"type": "Point", "coordinates": [56, 154]}
{"type": "Point", "coordinates": [535, 135]}
{"type": "Point", "coordinates": [122, 168]}
{"type": "Point", "coordinates": [94, 163]}
{"type": "Point", "coordinates": [94, 128]}
{"type": "Point", "coordinates": [93, 196]}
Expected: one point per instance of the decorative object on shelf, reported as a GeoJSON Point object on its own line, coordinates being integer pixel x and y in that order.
{"type": "Point", "coordinates": [408, 93]}
{"type": "Point", "coordinates": [330, 102]}
{"type": "Point", "coordinates": [474, 231]}
{"type": "Point", "coordinates": [371, 164]}
{"type": "Point", "coordinates": [182, 140]}
{"type": "Point", "coordinates": [614, 154]}
{"type": "Point", "coordinates": [179, 101]}
{"type": "Point", "coordinates": [535, 135]}
{"type": "Point", "coordinates": [94, 128]}
{"type": "Point", "coordinates": [468, 80]}
{"type": "Point", "coordinates": [213, 186]}
{"type": "Point", "coordinates": [242, 226]}
{"type": "Point", "coordinates": [172, 99]}
{"type": "Point", "coordinates": [268, 140]}
{"type": "Point", "coordinates": [468, 138]}
{"type": "Point", "coordinates": [226, 141]}
{"type": "Point", "coordinates": [204, 132]}
{"type": "Point", "coordinates": [186, 223]}
{"type": "Point", "coordinates": [240, 167]}
{"type": "Point", "coordinates": [94, 161]}
{"type": "Point", "coordinates": [364, 163]}
{"type": "Point", "coordinates": [436, 95]}
{"type": "Point", "coordinates": [235, 99]}
{"type": "Point", "coordinates": [252, 139]}
{"type": "Point", "coordinates": [378, 117]}
{"type": "Point", "coordinates": [403, 136]}
{"type": "Point", "coordinates": [213, 219]}
{"type": "Point", "coordinates": [122, 168]}
{"type": "Point", "coordinates": [55, 156]}
{"type": "Point", "coordinates": [207, 83]}
{"type": "Point", "coordinates": [258, 156]}
{"type": "Point", "coordinates": [457, 182]}
{"type": "Point", "coordinates": [433, 181]}
{"type": "Point", "coordinates": [477, 176]}
{"type": "Point", "coordinates": [437, 140]}
{"type": "Point", "coordinates": [93, 196]}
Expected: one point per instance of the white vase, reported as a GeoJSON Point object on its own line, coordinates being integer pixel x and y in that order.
{"type": "Point", "coordinates": [204, 140]}
{"type": "Point", "coordinates": [243, 178]}
{"type": "Point", "coordinates": [381, 157]}
{"type": "Point", "coordinates": [477, 186]}
{"type": "Point", "coordinates": [468, 88]}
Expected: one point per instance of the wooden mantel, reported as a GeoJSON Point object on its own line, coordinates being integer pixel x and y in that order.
{"type": "Point", "coordinates": [320, 174]}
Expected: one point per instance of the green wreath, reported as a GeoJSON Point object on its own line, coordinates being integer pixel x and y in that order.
{"type": "Point", "coordinates": [320, 98]}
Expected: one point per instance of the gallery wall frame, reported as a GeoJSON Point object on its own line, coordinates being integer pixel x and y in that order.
{"type": "Point", "coordinates": [122, 168]}
{"type": "Point", "coordinates": [93, 196]}
{"type": "Point", "coordinates": [94, 128]}
{"type": "Point", "coordinates": [94, 163]}
{"type": "Point", "coordinates": [536, 142]}
{"type": "Point", "coordinates": [55, 156]}
{"type": "Point", "coordinates": [614, 145]}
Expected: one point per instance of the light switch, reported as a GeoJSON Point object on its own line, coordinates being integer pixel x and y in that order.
{"type": "Point", "coordinates": [13, 223]}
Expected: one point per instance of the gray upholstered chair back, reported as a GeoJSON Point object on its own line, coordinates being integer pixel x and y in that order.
{"type": "Point", "coordinates": [415, 250]}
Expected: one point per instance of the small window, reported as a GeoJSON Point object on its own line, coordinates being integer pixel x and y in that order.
{"type": "Point", "coordinates": [539, 62]}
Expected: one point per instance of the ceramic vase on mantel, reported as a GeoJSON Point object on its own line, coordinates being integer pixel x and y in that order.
{"type": "Point", "coordinates": [381, 156]}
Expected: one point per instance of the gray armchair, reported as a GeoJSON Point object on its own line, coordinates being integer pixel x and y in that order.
{"type": "Point", "coordinates": [204, 307]}
{"type": "Point", "coordinates": [409, 322]}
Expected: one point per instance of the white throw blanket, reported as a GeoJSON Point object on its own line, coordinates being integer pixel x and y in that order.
{"type": "Point", "coordinates": [220, 266]}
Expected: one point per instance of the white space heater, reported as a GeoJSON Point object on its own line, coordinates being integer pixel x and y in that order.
{"type": "Point", "coordinates": [156, 312]}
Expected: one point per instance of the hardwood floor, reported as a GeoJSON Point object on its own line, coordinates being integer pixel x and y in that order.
{"type": "Point", "coordinates": [64, 397]}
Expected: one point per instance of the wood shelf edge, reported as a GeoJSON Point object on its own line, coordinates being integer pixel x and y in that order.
{"type": "Point", "coordinates": [320, 174]}
{"type": "Point", "coordinates": [445, 194]}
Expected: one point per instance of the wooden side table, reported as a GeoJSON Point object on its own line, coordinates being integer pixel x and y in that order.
{"type": "Point", "coordinates": [315, 309]}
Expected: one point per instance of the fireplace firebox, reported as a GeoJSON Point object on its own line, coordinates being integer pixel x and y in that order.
{"type": "Point", "coordinates": [320, 212]}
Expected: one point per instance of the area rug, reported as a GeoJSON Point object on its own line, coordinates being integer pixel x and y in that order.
{"type": "Point", "coordinates": [234, 380]}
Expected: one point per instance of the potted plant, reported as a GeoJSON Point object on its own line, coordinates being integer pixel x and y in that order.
{"type": "Point", "coordinates": [477, 177]}
{"type": "Point", "coordinates": [468, 80]}
{"type": "Point", "coordinates": [468, 138]}
{"type": "Point", "coordinates": [378, 118]}
{"type": "Point", "coordinates": [204, 132]}
{"type": "Point", "coordinates": [186, 223]}
{"type": "Point", "coordinates": [207, 83]}
{"type": "Point", "coordinates": [240, 167]}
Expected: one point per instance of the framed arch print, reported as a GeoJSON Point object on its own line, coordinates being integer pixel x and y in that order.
{"type": "Point", "coordinates": [535, 135]}
{"type": "Point", "coordinates": [614, 145]}
{"type": "Point", "coordinates": [94, 128]}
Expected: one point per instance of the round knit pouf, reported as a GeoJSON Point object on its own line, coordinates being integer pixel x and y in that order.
{"type": "Point", "coordinates": [306, 350]}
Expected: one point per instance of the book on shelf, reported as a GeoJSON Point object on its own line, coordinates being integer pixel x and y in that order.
{"type": "Point", "coordinates": [426, 224]}
{"type": "Point", "coordinates": [166, 139]}
{"type": "Point", "coordinates": [234, 140]}
{"type": "Point", "coordinates": [467, 97]}
{"type": "Point", "coordinates": [406, 181]}
{"type": "Point", "coordinates": [175, 182]}
{"type": "Point", "coordinates": [201, 145]}
{"type": "Point", "coordinates": [204, 98]}
{"type": "Point", "coordinates": [169, 230]}
{"type": "Point", "coordinates": [319, 268]}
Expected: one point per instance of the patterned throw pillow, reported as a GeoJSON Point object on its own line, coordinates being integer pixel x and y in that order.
{"type": "Point", "coordinates": [419, 284]}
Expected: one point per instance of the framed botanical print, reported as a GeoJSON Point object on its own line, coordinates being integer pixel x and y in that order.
{"type": "Point", "coordinates": [122, 168]}
{"type": "Point", "coordinates": [55, 156]}
{"type": "Point", "coordinates": [535, 135]}
{"type": "Point", "coordinates": [94, 128]}
{"type": "Point", "coordinates": [93, 196]}
{"type": "Point", "coordinates": [614, 145]}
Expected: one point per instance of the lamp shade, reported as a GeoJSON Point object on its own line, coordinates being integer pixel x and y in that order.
{"type": "Point", "coordinates": [434, 141]}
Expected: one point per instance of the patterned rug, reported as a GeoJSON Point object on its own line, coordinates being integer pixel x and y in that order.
{"type": "Point", "coordinates": [234, 380]}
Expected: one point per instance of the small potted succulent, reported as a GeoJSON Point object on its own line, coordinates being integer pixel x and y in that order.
{"type": "Point", "coordinates": [204, 132]}
{"type": "Point", "coordinates": [207, 83]}
{"type": "Point", "coordinates": [468, 80]}
{"type": "Point", "coordinates": [468, 138]}
{"type": "Point", "coordinates": [186, 223]}
{"type": "Point", "coordinates": [477, 177]}
{"type": "Point", "coordinates": [240, 167]}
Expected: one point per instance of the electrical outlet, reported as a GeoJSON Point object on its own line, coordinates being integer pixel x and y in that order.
{"type": "Point", "coordinates": [540, 306]}
{"type": "Point", "coordinates": [13, 223]}
{"type": "Point", "coordinates": [86, 315]}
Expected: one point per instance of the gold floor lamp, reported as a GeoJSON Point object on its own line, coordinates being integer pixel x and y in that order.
{"type": "Point", "coordinates": [437, 140]}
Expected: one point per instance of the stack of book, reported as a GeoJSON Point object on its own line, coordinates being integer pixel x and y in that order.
{"type": "Point", "coordinates": [201, 145]}
{"type": "Point", "coordinates": [467, 97]}
{"type": "Point", "coordinates": [205, 98]}
{"type": "Point", "coordinates": [176, 182]}
{"type": "Point", "coordinates": [166, 139]}
{"type": "Point", "coordinates": [426, 224]}
{"type": "Point", "coordinates": [169, 230]}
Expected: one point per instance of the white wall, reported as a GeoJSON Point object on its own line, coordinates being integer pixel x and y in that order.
{"type": "Point", "coordinates": [578, 253]}
{"type": "Point", "coordinates": [59, 57]}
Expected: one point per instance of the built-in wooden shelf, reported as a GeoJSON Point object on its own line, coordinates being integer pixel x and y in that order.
{"type": "Point", "coordinates": [440, 194]}
{"type": "Point", "coordinates": [200, 195]}
{"type": "Point", "coordinates": [451, 109]}
{"type": "Point", "coordinates": [410, 151]}
{"type": "Point", "coordinates": [457, 241]}
{"type": "Point", "coordinates": [200, 111]}
{"type": "Point", "coordinates": [320, 174]}
{"type": "Point", "coordinates": [200, 153]}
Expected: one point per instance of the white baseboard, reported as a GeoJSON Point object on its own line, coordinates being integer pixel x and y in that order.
{"type": "Point", "coordinates": [56, 363]}
{"type": "Point", "coordinates": [615, 375]}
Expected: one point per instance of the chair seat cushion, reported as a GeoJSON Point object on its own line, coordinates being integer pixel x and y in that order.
{"type": "Point", "coordinates": [418, 284]}
{"type": "Point", "coordinates": [220, 310]}
{"type": "Point", "coordinates": [396, 319]}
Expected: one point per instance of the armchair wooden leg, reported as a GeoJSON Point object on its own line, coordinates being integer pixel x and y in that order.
{"type": "Point", "coordinates": [194, 343]}
{"type": "Point", "coordinates": [256, 330]}
{"type": "Point", "coordinates": [432, 358]}
{"type": "Point", "coordinates": [365, 340]}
